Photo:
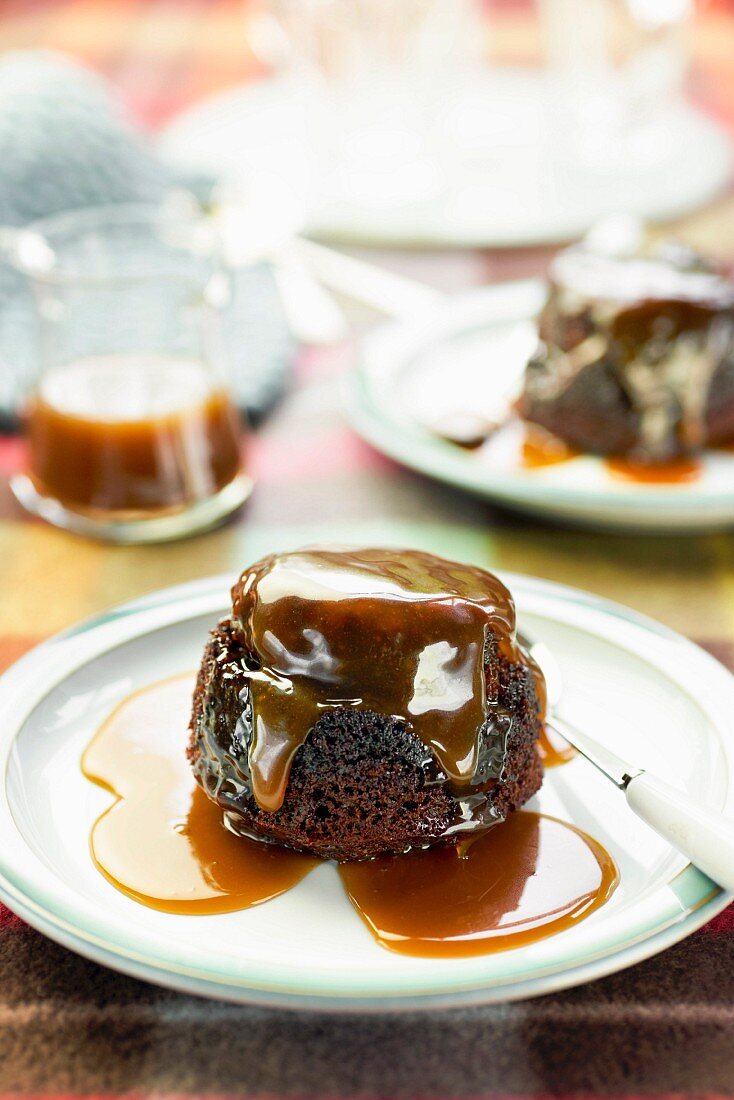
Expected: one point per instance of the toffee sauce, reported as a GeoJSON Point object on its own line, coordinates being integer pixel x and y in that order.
{"type": "Point", "coordinates": [675, 472]}
{"type": "Point", "coordinates": [541, 448]}
{"type": "Point", "coordinates": [517, 883]}
{"type": "Point", "coordinates": [538, 448]}
{"type": "Point", "coordinates": [163, 843]}
{"type": "Point", "coordinates": [143, 437]}
{"type": "Point", "coordinates": [553, 750]}
{"type": "Point", "coordinates": [328, 628]}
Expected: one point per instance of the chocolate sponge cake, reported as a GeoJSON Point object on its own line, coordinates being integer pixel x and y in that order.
{"type": "Point", "coordinates": [636, 353]}
{"type": "Point", "coordinates": [358, 702]}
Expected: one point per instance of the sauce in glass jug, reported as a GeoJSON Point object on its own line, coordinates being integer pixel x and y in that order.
{"type": "Point", "coordinates": [132, 435]}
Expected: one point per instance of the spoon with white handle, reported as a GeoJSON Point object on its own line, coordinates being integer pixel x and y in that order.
{"type": "Point", "coordinates": [705, 837]}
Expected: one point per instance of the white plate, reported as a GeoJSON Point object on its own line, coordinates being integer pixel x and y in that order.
{"type": "Point", "coordinates": [501, 174]}
{"type": "Point", "coordinates": [461, 357]}
{"type": "Point", "coordinates": [643, 689]}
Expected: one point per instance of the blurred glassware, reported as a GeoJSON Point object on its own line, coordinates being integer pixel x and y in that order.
{"type": "Point", "coordinates": [65, 144]}
{"type": "Point", "coordinates": [378, 71]}
{"type": "Point", "coordinates": [384, 69]}
{"type": "Point", "coordinates": [132, 435]}
{"type": "Point", "coordinates": [466, 122]}
{"type": "Point", "coordinates": [618, 74]}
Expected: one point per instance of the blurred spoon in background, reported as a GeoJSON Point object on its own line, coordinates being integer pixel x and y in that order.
{"type": "Point", "coordinates": [258, 218]}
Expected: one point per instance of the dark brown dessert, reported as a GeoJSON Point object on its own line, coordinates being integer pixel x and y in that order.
{"type": "Point", "coordinates": [636, 354]}
{"type": "Point", "coordinates": [360, 702]}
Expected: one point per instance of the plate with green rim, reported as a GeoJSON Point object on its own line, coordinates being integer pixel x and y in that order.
{"type": "Point", "coordinates": [466, 358]}
{"type": "Point", "coordinates": [669, 708]}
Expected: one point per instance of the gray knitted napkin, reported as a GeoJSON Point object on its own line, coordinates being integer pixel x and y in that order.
{"type": "Point", "coordinates": [65, 144]}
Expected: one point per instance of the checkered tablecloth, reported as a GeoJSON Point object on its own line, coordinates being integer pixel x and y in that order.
{"type": "Point", "coordinates": [68, 1027]}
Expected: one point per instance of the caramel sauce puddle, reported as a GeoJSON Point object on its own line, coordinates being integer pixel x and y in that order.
{"type": "Point", "coordinates": [554, 751]}
{"type": "Point", "coordinates": [678, 471]}
{"type": "Point", "coordinates": [524, 880]}
{"type": "Point", "coordinates": [164, 843]}
{"type": "Point", "coordinates": [541, 448]}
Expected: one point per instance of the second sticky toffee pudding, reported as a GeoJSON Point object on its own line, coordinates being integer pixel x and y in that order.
{"type": "Point", "coordinates": [635, 357]}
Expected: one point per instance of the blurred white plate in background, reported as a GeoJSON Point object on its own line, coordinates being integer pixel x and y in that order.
{"type": "Point", "coordinates": [459, 358]}
{"type": "Point", "coordinates": [498, 176]}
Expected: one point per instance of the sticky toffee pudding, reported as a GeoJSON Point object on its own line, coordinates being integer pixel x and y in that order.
{"type": "Point", "coordinates": [358, 702]}
{"type": "Point", "coordinates": [635, 358]}
{"type": "Point", "coordinates": [370, 706]}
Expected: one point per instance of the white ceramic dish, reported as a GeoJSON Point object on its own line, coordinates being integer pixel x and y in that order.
{"type": "Point", "coordinates": [461, 357]}
{"type": "Point", "coordinates": [501, 176]}
{"type": "Point", "coordinates": [652, 694]}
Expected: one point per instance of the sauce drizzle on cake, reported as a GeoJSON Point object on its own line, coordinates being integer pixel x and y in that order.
{"type": "Point", "coordinates": [363, 701]}
{"type": "Point", "coordinates": [329, 629]}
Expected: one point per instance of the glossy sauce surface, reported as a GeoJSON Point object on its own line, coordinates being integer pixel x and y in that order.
{"type": "Point", "coordinates": [141, 436]}
{"type": "Point", "coordinates": [524, 880]}
{"type": "Point", "coordinates": [553, 750]}
{"type": "Point", "coordinates": [542, 448]}
{"type": "Point", "coordinates": [164, 844]}
{"type": "Point", "coordinates": [398, 632]}
{"type": "Point", "coordinates": [676, 472]}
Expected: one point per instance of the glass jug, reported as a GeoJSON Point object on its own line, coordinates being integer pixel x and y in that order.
{"type": "Point", "coordinates": [132, 434]}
